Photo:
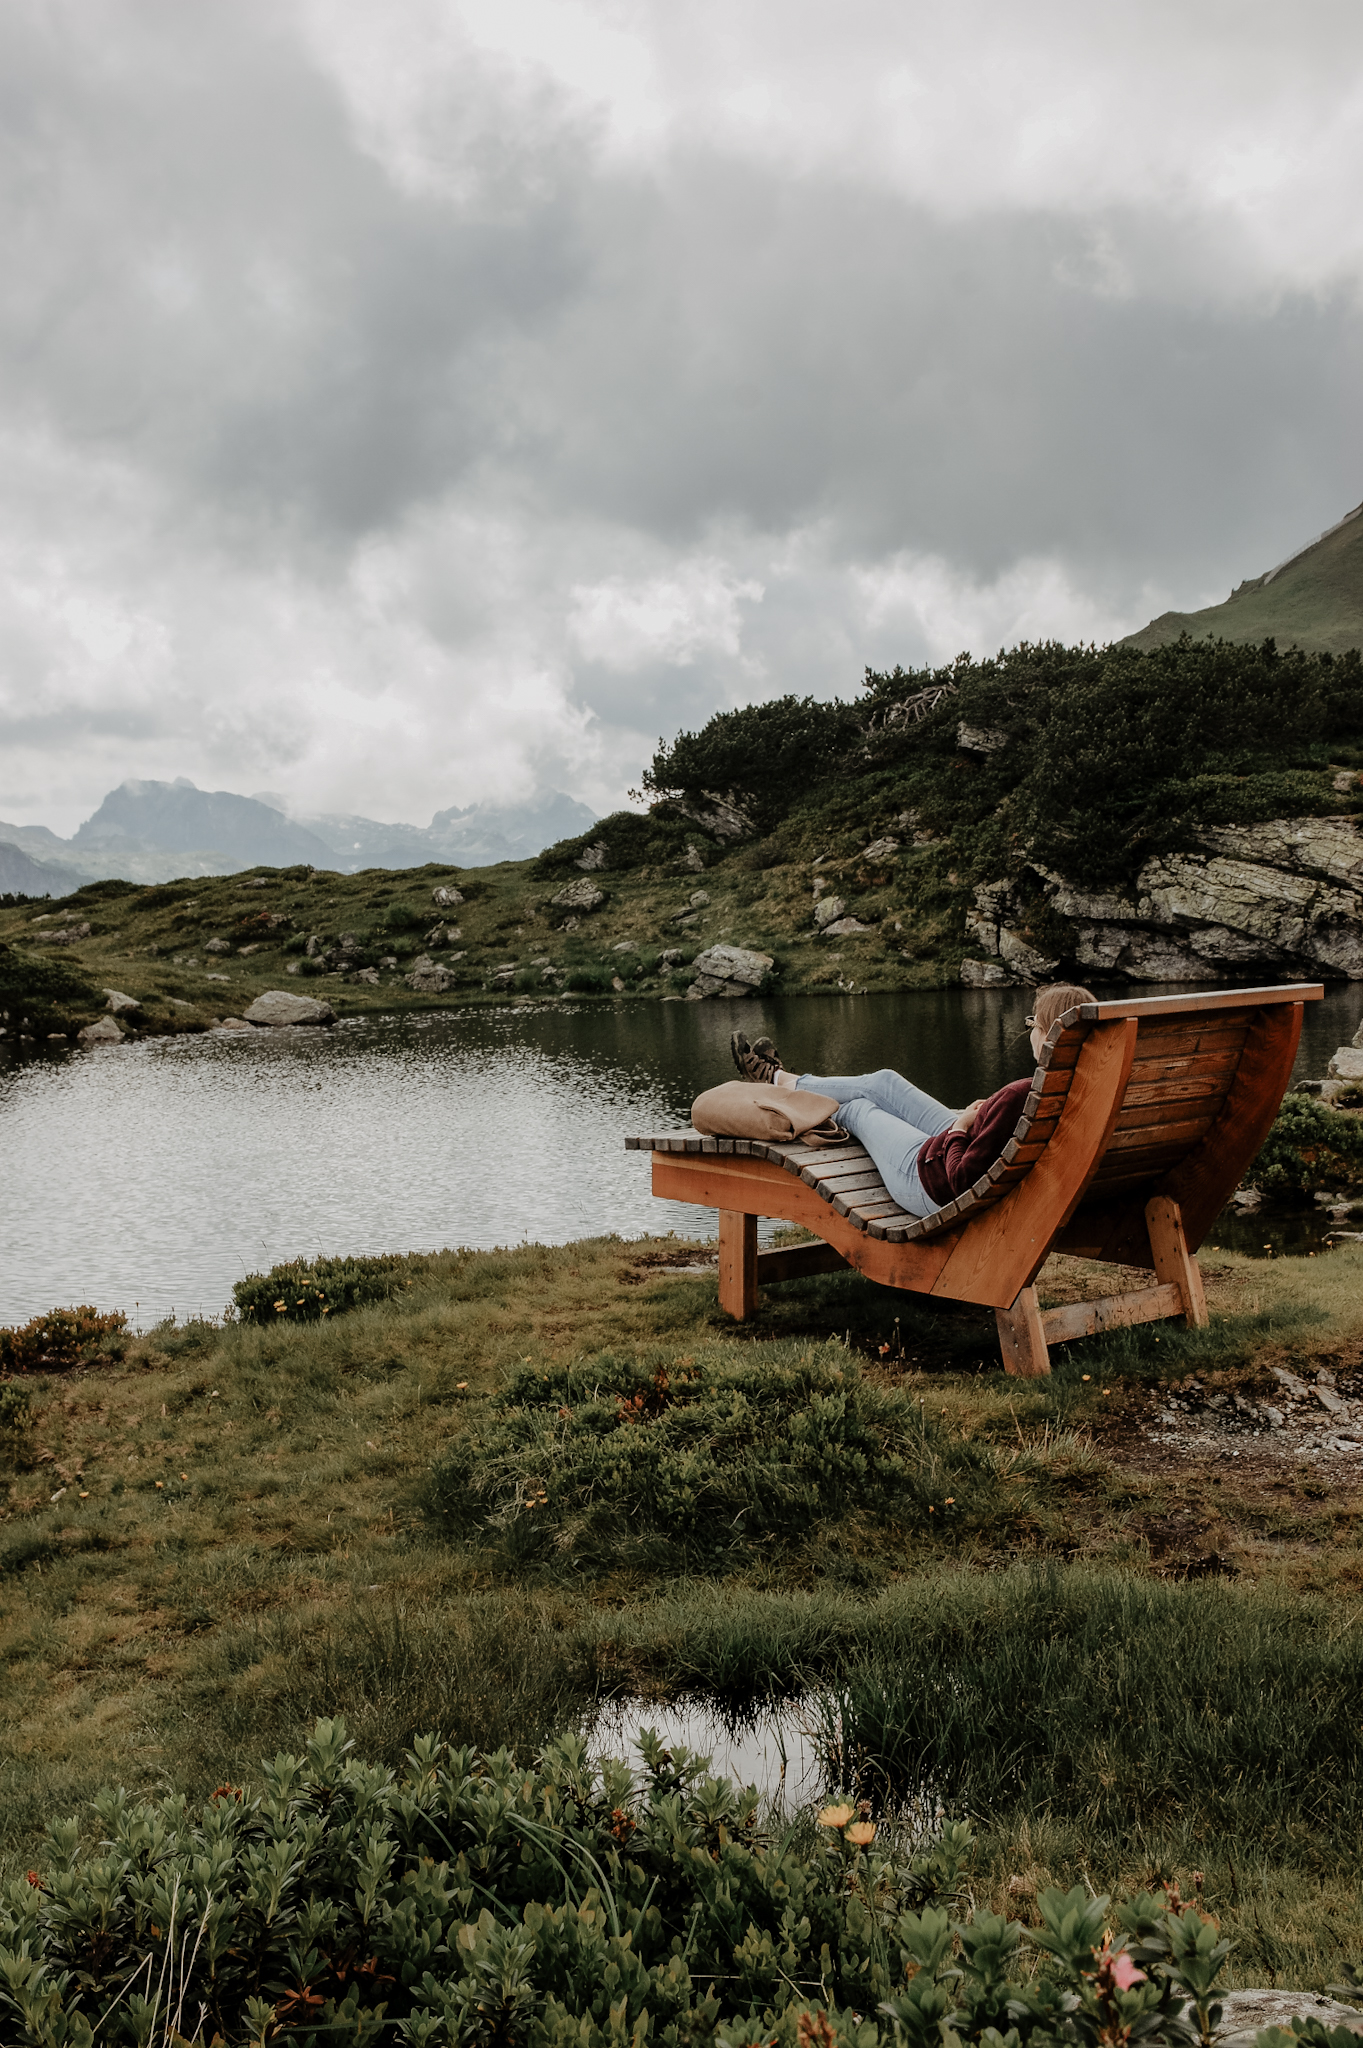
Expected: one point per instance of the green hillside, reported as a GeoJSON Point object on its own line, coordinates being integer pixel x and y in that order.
{"type": "Point", "coordinates": [1314, 601]}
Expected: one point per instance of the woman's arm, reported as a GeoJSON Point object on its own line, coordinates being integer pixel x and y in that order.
{"type": "Point", "coordinates": [965, 1121]}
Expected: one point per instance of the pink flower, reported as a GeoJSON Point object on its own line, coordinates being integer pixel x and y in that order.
{"type": "Point", "coordinates": [1125, 1973]}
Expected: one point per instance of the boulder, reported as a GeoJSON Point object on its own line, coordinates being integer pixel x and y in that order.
{"type": "Point", "coordinates": [120, 1005]}
{"type": "Point", "coordinates": [827, 909]}
{"type": "Point", "coordinates": [700, 899]}
{"type": "Point", "coordinates": [880, 849]}
{"type": "Point", "coordinates": [985, 974]}
{"type": "Point", "coordinates": [218, 946]}
{"type": "Point", "coordinates": [728, 971]}
{"type": "Point", "coordinates": [723, 816]}
{"type": "Point", "coordinates": [1358, 1036]}
{"type": "Point", "coordinates": [426, 979]}
{"type": "Point", "coordinates": [693, 859]}
{"type": "Point", "coordinates": [1347, 1064]}
{"type": "Point", "coordinates": [1245, 2013]}
{"type": "Point", "coordinates": [592, 858]}
{"type": "Point", "coordinates": [624, 946]}
{"type": "Point", "coordinates": [581, 895]}
{"type": "Point", "coordinates": [104, 1031]}
{"type": "Point", "coordinates": [279, 1006]}
{"type": "Point", "coordinates": [446, 897]}
{"type": "Point", "coordinates": [672, 956]}
{"type": "Point", "coordinates": [846, 928]}
{"type": "Point", "coordinates": [232, 1024]}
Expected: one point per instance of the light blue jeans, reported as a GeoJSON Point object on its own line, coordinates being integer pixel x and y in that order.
{"type": "Point", "coordinates": [893, 1120]}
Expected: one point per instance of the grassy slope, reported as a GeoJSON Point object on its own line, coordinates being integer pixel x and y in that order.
{"type": "Point", "coordinates": [150, 944]}
{"type": "Point", "coordinates": [1315, 603]}
{"type": "Point", "coordinates": [251, 1550]}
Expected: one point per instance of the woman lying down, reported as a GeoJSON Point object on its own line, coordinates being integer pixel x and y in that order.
{"type": "Point", "coordinates": [926, 1154]}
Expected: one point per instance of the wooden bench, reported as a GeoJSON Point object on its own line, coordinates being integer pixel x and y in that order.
{"type": "Point", "coordinates": [1141, 1121]}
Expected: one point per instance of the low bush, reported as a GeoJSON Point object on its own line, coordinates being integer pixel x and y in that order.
{"type": "Point", "coordinates": [476, 1899]}
{"type": "Point", "coordinates": [402, 917]}
{"type": "Point", "coordinates": [615, 1460]}
{"type": "Point", "coordinates": [305, 1290]}
{"type": "Point", "coordinates": [1310, 1146]}
{"type": "Point", "coordinates": [59, 1340]}
{"type": "Point", "coordinates": [48, 994]}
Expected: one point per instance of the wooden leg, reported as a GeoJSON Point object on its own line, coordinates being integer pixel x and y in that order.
{"type": "Point", "coordinates": [737, 1263]}
{"type": "Point", "coordinates": [1022, 1339]}
{"type": "Point", "coordinates": [1174, 1263]}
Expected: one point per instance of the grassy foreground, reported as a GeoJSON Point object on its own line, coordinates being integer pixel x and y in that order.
{"type": "Point", "coordinates": [536, 1478]}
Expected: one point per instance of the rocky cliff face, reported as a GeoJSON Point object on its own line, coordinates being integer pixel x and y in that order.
{"type": "Point", "coordinates": [1284, 897]}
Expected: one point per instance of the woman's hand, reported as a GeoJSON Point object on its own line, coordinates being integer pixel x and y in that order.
{"type": "Point", "coordinates": [966, 1119]}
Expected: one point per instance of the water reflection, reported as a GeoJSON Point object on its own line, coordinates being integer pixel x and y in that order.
{"type": "Point", "coordinates": [149, 1177]}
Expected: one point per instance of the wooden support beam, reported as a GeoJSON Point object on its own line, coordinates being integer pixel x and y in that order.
{"type": "Point", "coordinates": [1174, 1263]}
{"type": "Point", "coordinates": [1111, 1312]}
{"type": "Point", "coordinates": [737, 1263]}
{"type": "Point", "coordinates": [795, 1261]}
{"type": "Point", "coordinates": [1022, 1337]}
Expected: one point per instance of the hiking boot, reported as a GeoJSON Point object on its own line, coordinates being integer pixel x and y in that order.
{"type": "Point", "coordinates": [759, 1061]}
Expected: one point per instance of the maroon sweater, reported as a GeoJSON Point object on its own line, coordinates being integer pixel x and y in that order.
{"type": "Point", "coordinates": [954, 1160]}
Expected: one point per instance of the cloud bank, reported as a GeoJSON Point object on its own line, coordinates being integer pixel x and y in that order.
{"type": "Point", "coordinates": [414, 406]}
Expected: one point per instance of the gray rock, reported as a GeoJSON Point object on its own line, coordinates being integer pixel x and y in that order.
{"type": "Point", "coordinates": [592, 858]}
{"type": "Point", "coordinates": [1347, 1064]}
{"type": "Point", "coordinates": [104, 1031]}
{"type": "Point", "coordinates": [313, 947]}
{"type": "Point", "coordinates": [71, 935]}
{"type": "Point", "coordinates": [700, 899]}
{"type": "Point", "coordinates": [727, 971]}
{"type": "Point", "coordinates": [846, 928]}
{"type": "Point", "coordinates": [980, 739]}
{"type": "Point", "coordinates": [880, 849]}
{"type": "Point", "coordinates": [672, 957]}
{"type": "Point", "coordinates": [624, 946]}
{"type": "Point", "coordinates": [827, 909]}
{"type": "Point", "coordinates": [280, 1006]}
{"type": "Point", "coordinates": [218, 946]}
{"type": "Point", "coordinates": [232, 1024]}
{"type": "Point", "coordinates": [426, 979]}
{"type": "Point", "coordinates": [582, 895]}
{"type": "Point", "coordinates": [120, 1005]}
{"type": "Point", "coordinates": [1357, 1038]}
{"type": "Point", "coordinates": [985, 974]}
{"type": "Point", "coordinates": [723, 816]}
{"type": "Point", "coordinates": [1330, 1401]}
{"type": "Point", "coordinates": [446, 897]}
{"type": "Point", "coordinates": [1246, 2013]}
{"type": "Point", "coordinates": [693, 859]}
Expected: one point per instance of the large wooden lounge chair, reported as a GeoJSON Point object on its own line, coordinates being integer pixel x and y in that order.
{"type": "Point", "coordinates": [1141, 1120]}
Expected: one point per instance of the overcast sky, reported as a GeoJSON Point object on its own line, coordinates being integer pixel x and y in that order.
{"type": "Point", "coordinates": [412, 402]}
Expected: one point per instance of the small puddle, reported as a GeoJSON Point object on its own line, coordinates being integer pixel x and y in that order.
{"type": "Point", "coordinates": [1278, 1232]}
{"type": "Point", "coordinates": [780, 1749]}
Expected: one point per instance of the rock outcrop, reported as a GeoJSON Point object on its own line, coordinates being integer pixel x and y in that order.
{"type": "Point", "coordinates": [728, 971]}
{"type": "Point", "coordinates": [1285, 897]}
{"type": "Point", "coordinates": [278, 1006]}
{"type": "Point", "coordinates": [581, 896]}
{"type": "Point", "coordinates": [104, 1031]}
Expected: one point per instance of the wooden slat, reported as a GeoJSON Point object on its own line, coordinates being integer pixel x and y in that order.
{"type": "Point", "coordinates": [1113, 1312]}
{"type": "Point", "coordinates": [1167, 1066]}
{"type": "Point", "coordinates": [1185, 1034]}
{"type": "Point", "coordinates": [1214, 999]}
{"type": "Point", "coordinates": [1159, 1131]}
{"type": "Point", "coordinates": [1187, 1088]}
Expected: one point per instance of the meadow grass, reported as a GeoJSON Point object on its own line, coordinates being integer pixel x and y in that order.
{"type": "Point", "coordinates": [215, 1534]}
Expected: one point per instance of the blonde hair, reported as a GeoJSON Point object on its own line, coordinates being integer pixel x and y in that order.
{"type": "Point", "coordinates": [1053, 1002]}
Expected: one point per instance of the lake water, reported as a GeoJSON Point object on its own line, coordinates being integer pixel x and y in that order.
{"type": "Point", "coordinates": [150, 1177]}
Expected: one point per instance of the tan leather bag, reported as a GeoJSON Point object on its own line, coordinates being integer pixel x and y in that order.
{"type": "Point", "coordinates": [750, 1109]}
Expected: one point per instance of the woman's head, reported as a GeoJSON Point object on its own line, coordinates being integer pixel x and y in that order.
{"type": "Point", "coordinates": [1051, 1003]}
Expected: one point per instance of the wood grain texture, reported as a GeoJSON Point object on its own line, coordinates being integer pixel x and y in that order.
{"type": "Point", "coordinates": [1212, 999]}
{"type": "Point", "coordinates": [1022, 1338]}
{"type": "Point", "coordinates": [1110, 1312]}
{"type": "Point", "coordinates": [1174, 1263]}
{"type": "Point", "coordinates": [797, 1261]}
{"type": "Point", "coordinates": [737, 1263]}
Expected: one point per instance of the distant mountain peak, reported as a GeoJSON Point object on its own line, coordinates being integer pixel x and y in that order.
{"type": "Point", "coordinates": [1312, 599]}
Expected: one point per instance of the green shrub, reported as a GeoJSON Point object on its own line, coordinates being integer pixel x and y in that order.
{"type": "Point", "coordinates": [615, 1460]}
{"type": "Point", "coordinates": [1310, 1146]}
{"type": "Point", "coordinates": [402, 917]}
{"type": "Point", "coordinates": [632, 840]}
{"type": "Point", "coordinates": [588, 980]}
{"type": "Point", "coordinates": [564, 1904]}
{"type": "Point", "coordinates": [59, 1340]}
{"type": "Point", "coordinates": [53, 995]}
{"type": "Point", "coordinates": [305, 1290]}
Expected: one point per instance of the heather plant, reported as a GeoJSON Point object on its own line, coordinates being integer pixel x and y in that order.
{"type": "Point", "coordinates": [475, 1898]}
{"type": "Point", "coordinates": [61, 1339]}
{"type": "Point", "coordinates": [610, 1458]}
{"type": "Point", "coordinates": [305, 1290]}
{"type": "Point", "coordinates": [1310, 1146]}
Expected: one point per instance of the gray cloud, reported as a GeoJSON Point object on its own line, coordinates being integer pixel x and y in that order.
{"type": "Point", "coordinates": [377, 420]}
